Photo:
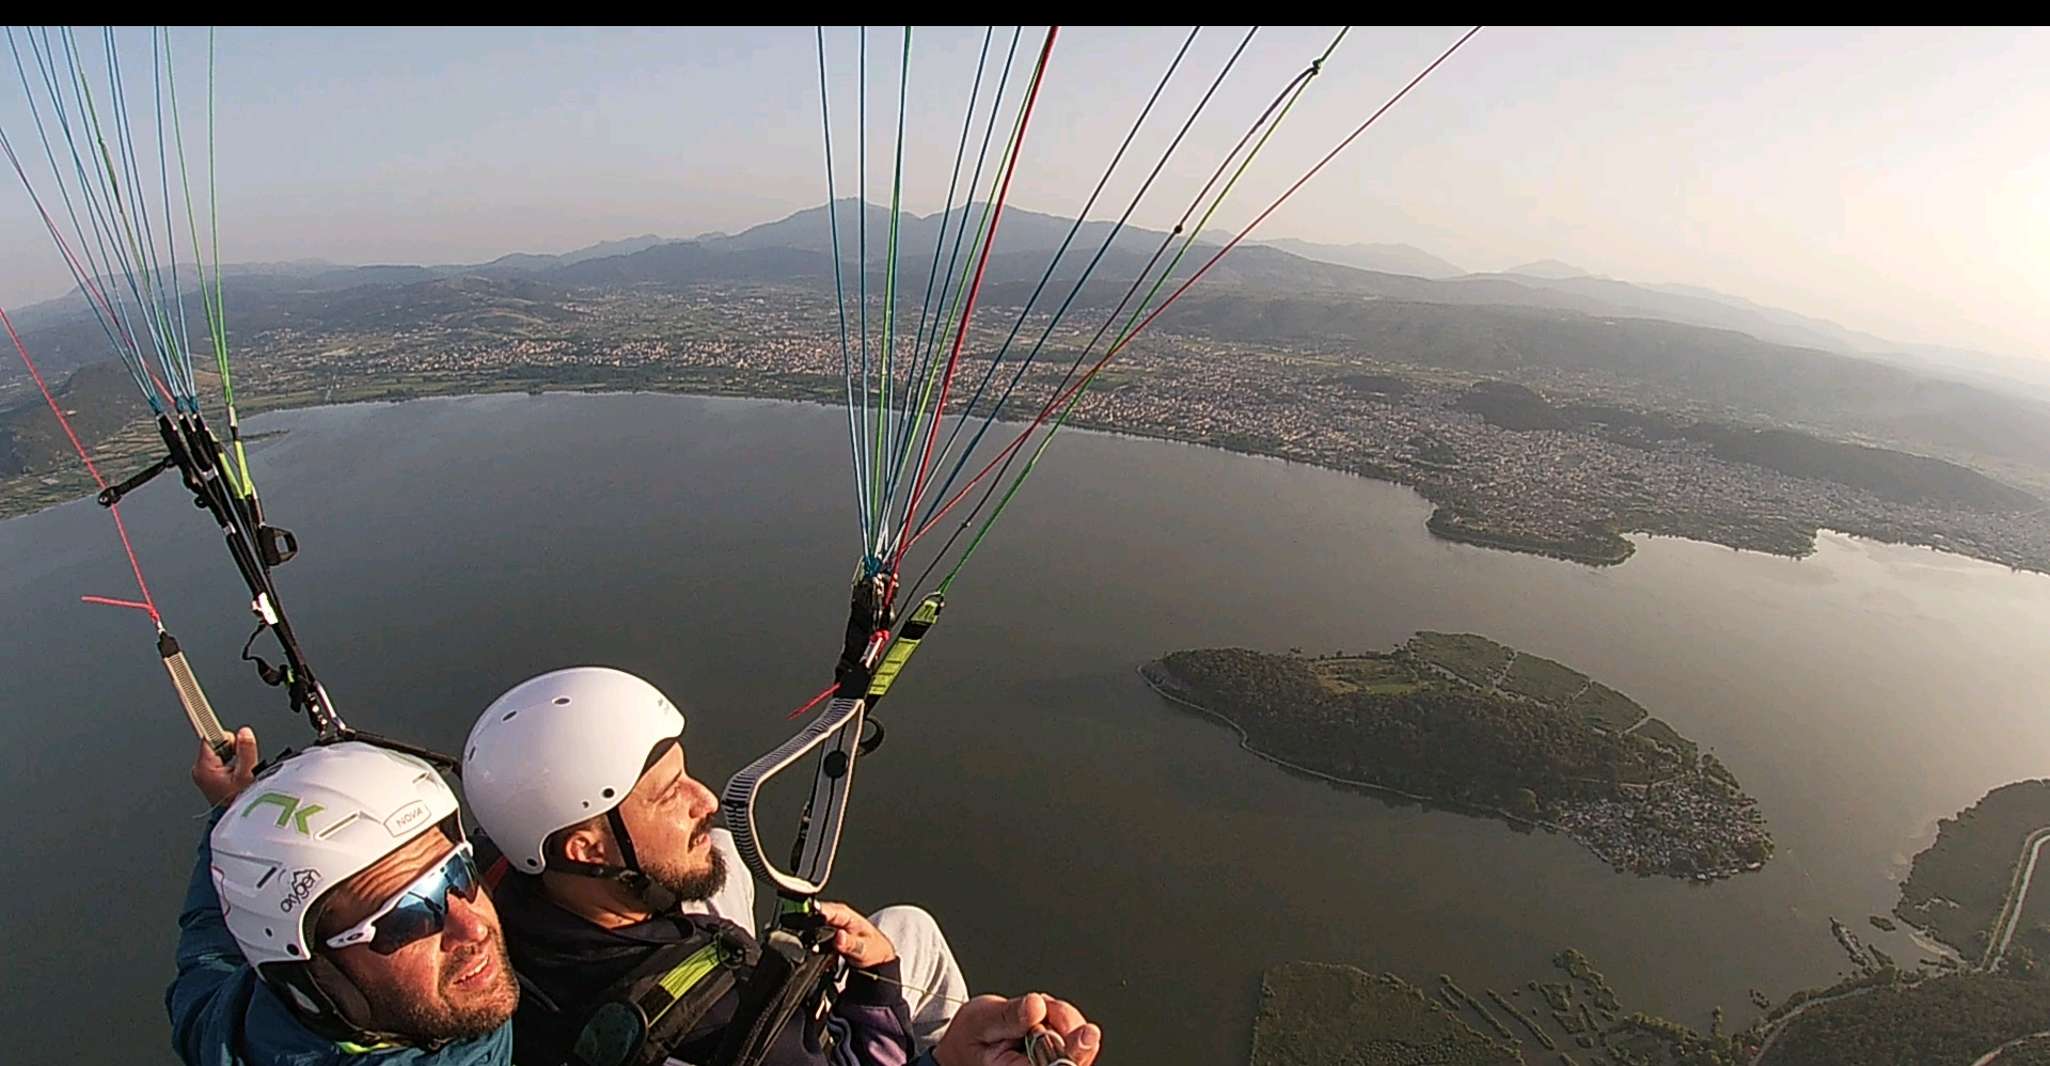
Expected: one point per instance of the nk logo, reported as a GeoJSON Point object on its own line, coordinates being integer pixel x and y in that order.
{"type": "Point", "coordinates": [289, 810]}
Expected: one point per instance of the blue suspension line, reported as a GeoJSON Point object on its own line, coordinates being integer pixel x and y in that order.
{"type": "Point", "coordinates": [84, 273]}
{"type": "Point", "coordinates": [168, 354]}
{"type": "Point", "coordinates": [93, 179]}
{"type": "Point", "coordinates": [952, 302]}
{"type": "Point", "coordinates": [109, 203]}
{"type": "Point", "coordinates": [924, 348]}
{"type": "Point", "coordinates": [840, 297]}
{"type": "Point", "coordinates": [184, 337]}
{"type": "Point", "coordinates": [953, 183]}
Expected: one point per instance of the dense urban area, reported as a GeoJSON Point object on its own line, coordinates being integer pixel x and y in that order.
{"type": "Point", "coordinates": [1562, 471]}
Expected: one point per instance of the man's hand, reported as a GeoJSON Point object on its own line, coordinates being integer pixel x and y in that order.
{"type": "Point", "coordinates": [857, 939]}
{"type": "Point", "coordinates": [220, 782]}
{"type": "Point", "coordinates": [990, 1031]}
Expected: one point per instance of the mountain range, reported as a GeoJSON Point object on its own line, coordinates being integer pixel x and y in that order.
{"type": "Point", "coordinates": [1707, 349]}
{"type": "Point", "coordinates": [1027, 239]}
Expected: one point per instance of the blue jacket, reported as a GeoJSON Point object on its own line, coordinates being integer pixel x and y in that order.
{"type": "Point", "coordinates": [223, 1015]}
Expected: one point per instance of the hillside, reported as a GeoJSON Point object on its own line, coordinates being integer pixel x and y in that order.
{"type": "Point", "coordinates": [1959, 884]}
{"type": "Point", "coordinates": [1682, 352]}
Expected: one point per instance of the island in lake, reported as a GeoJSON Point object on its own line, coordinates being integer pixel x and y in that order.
{"type": "Point", "coordinates": [1463, 721]}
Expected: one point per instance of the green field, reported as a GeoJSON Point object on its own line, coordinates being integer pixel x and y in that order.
{"type": "Point", "coordinates": [1474, 659]}
{"type": "Point", "coordinates": [1375, 675]}
{"type": "Point", "coordinates": [1314, 1014]}
{"type": "Point", "coordinates": [1606, 708]}
{"type": "Point", "coordinates": [1544, 680]}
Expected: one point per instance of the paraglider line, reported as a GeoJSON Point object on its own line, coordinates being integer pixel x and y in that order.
{"type": "Point", "coordinates": [1080, 282]}
{"type": "Point", "coordinates": [1197, 276]}
{"type": "Point", "coordinates": [814, 701]}
{"type": "Point", "coordinates": [885, 418]}
{"type": "Point", "coordinates": [968, 308]}
{"type": "Point", "coordinates": [951, 303]}
{"type": "Point", "coordinates": [1281, 103]}
{"type": "Point", "coordinates": [148, 603]}
{"type": "Point", "coordinates": [146, 376]}
{"type": "Point", "coordinates": [953, 185]}
{"type": "Point", "coordinates": [109, 601]}
{"type": "Point", "coordinates": [840, 292]}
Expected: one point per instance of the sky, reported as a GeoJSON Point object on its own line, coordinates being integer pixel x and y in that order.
{"type": "Point", "coordinates": [1895, 181]}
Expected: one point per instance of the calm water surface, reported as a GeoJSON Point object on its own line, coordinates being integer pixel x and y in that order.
{"type": "Point", "coordinates": [1072, 831]}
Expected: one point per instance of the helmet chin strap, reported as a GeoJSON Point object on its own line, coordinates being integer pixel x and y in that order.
{"type": "Point", "coordinates": [659, 899]}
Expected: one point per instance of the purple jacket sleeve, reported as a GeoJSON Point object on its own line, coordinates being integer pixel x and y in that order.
{"type": "Point", "coordinates": [879, 1023]}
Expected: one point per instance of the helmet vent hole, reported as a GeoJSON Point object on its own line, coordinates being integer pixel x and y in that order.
{"type": "Point", "coordinates": [561, 700]}
{"type": "Point", "coordinates": [509, 716]}
{"type": "Point", "coordinates": [608, 793]}
{"type": "Point", "coordinates": [268, 933]}
{"type": "Point", "coordinates": [291, 949]}
{"type": "Point", "coordinates": [587, 803]}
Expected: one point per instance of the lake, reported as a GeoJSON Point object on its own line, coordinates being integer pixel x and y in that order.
{"type": "Point", "coordinates": [1072, 831]}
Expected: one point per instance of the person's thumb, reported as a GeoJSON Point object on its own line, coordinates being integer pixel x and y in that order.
{"type": "Point", "coordinates": [245, 749]}
{"type": "Point", "coordinates": [993, 1020]}
{"type": "Point", "coordinates": [1030, 1011]}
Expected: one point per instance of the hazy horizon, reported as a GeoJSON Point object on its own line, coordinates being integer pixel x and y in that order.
{"type": "Point", "coordinates": [1895, 182]}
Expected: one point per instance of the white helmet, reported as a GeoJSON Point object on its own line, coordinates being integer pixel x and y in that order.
{"type": "Point", "coordinates": [313, 821]}
{"type": "Point", "coordinates": [558, 749]}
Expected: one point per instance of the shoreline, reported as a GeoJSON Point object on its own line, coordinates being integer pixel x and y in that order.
{"type": "Point", "coordinates": [1575, 552]}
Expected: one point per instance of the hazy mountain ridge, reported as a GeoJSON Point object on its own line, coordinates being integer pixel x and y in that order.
{"type": "Point", "coordinates": [1386, 271]}
{"type": "Point", "coordinates": [1549, 269]}
{"type": "Point", "coordinates": [1490, 325]}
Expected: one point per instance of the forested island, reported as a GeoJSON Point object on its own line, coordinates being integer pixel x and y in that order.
{"type": "Point", "coordinates": [1460, 720]}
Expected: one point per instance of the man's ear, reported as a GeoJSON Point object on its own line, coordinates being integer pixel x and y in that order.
{"type": "Point", "coordinates": [589, 843]}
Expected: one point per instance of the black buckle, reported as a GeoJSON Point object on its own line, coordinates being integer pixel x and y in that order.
{"type": "Point", "coordinates": [276, 545]}
{"type": "Point", "coordinates": [871, 611]}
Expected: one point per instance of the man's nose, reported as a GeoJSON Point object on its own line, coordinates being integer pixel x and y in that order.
{"type": "Point", "coordinates": [469, 921]}
{"type": "Point", "coordinates": [704, 803]}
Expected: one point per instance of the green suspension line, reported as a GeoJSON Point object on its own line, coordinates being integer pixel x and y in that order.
{"type": "Point", "coordinates": [1131, 323]}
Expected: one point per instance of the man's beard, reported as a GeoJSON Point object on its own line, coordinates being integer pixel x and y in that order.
{"type": "Point", "coordinates": [687, 884]}
{"type": "Point", "coordinates": [480, 1013]}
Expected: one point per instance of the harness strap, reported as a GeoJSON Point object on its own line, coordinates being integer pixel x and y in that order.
{"type": "Point", "coordinates": [645, 1014]}
{"type": "Point", "coordinates": [792, 976]}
